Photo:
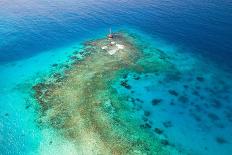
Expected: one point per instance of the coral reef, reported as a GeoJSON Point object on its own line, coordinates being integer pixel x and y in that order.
{"type": "Point", "coordinates": [82, 105]}
{"type": "Point", "coordinates": [156, 101]}
{"type": "Point", "coordinates": [173, 92]}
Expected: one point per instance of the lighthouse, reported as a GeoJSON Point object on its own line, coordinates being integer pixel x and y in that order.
{"type": "Point", "coordinates": [110, 36]}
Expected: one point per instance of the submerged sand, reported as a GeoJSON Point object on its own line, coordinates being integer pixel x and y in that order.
{"type": "Point", "coordinates": [82, 105]}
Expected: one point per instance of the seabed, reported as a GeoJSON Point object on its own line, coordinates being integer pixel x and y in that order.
{"type": "Point", "coordinates": [97, 104]}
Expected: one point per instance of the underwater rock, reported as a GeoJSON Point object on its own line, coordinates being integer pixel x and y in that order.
{"type": "Point", "coordinates": [173, 76]}
{"type": "Point", "coordinates": [162, 55]}
{"type": "Point", "coordinates": [211, 91]}
{"type": "Point", "coordinates": [206, 105]}
{"type": "Point", "coordinates": [221, 140]}
{"type": "Point", "coordinates": [125, 84]}
{"type": "Point", "coordinates": [186, 86]}
{"type": "Point", "coordinates": [196, 117]}
{"type": "Point", "coordinates": [200, 79]}
{"type": "Point", "coordinates": [131, 100]}
{"type": "Point", "coordinates": [147, 113]}
{"type": "Point", "coordinates": [158, 131]}
{"type": "Point", "coordinates": [54, 65]}
{"type": "Point", "coordinates": [125, 76]}
{"type": "Point", "coordinates": [73, 57]}
{"type": "Point", "coordinates": [183, 99]}
{"type": "Point", "coordinates": [156, 101]}
{"type": "Point", "coordinates": [190, 110]}
{"type": "Point", "coordinates": [107, 105]}
{"type": "Point", "coordinates": [164, 142]}
{"type": "Point", "coordinates": [198, 108]}
{"type": "Point", "coordinates": [6, 114]}
{"type": "Point", "coordinates": [196, 93]}
{"type": "Point", "coordinates": [145, 126]}
{"type": "Point", "coordinates": [136, 77]}
{"type": "Point", "coordinates": [90, 43]}
{"type": "Point", "coordinates": [227, 97]}
{"type": "Point", "coordinates": [138, 100]}
{"type": "Point", "coordinates": [40, 90]}
{"type": "Point", "coordinates": [216, 104]}
{"type": "Point", "coordinates": [213, 116]}
{"type": "Point", "coordinates": [75, 63]}
{"type": "Point", "coordinates": [82, 53]}
{"type": "Point", "coordinates": [173, 92]}
{"type": "Point", "coordinates": [57, 75]}
{"type": "Point", "coordinates": [38, 86]}
{"type": "Point", "coordinates": [220, 125]}
{"type": "Point", "coordinates": [75, 52]}
{"type": "Point", "coordinates": [145, 119]}
{"type": "Point", "coordinates": [66, 66]}
{"type": "Point", "coordinates": [167, 124]}
{"type": "Point", "coordinates": [202, 97]}
{"type": "Point", "coordinates": [228, 115]}
{"type": "Point", "coordinates": [172, 103]}
{"type": "Point", "coordinates": [28, 106]}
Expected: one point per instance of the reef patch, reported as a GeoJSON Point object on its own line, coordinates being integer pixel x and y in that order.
{"type": "Point", "coordinates": [82, 105]}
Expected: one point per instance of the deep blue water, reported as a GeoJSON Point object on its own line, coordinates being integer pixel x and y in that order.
{"type": "Point", "coordinates": [28, 28]}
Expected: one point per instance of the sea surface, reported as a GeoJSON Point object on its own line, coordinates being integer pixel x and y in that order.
{"type": "Point", "coordinates": [195, 113]}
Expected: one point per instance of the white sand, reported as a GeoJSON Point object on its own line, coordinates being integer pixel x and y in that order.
{"type": "Point", "coordinates": [113, 51]}
{"type": "Point", "coordinates": [119, 46]}
{"type": "Point", "coordinates": [104, 47]}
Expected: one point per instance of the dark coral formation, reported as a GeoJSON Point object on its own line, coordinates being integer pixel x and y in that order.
{"type": "Point", "coordinates": [216, 104]}
{"type": "Point", "coordinates": [156, 101]}
{"type": "Point", "coordinates": [145, 126]}
{"type": "Point", "coordinates": [196, 117]}
{"type": "Point", "coordinates": [213, 116]}
{"type": "Point", "coordinates": [125, 84]}
{"type": "Point", "coordinates": [164, 142]}
{"type": "Point", "coordinates": [158, 130]}
{"type": "Point", "coordinates": [183, 99]}
{"type": "Point", "coordinates": [147, 113]}
{"type": "Point", "coordinates": [173, 92]}
{"type": "Point", "coordinates": [221, 140]}
{"type": "Point", "coordinates": [54, 65]}
{"type": "Point", "coordinates": [167, 124]}
{"type": "Point", "coordinates": [136, 77]}
{"type": "Point", "coordinates": [200, 79]}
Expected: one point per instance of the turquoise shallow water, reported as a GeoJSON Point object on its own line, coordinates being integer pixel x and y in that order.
{"type": "Point", "coordinates": [193, 112]}
{"type": "Point", "coordinates": [19, 130]}
{"type": "Point", "coordinates": [31, 41]}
